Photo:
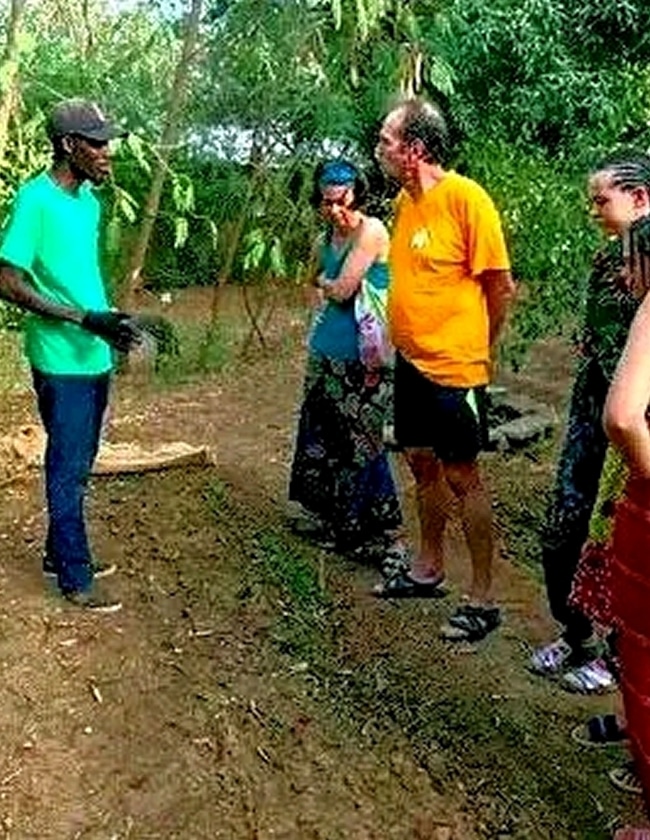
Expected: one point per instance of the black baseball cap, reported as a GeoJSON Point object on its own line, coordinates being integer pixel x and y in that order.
{"type": "Point", "coordinates": [78, 116]}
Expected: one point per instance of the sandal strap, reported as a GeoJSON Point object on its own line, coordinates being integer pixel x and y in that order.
{"type": "Point", "coordinates": [604, 729]}
{"type": "Point", "coordinates": [625, 778]}
{"type": "Point", "coordinates": [396, 560]}
{"type": "Point", "coordinates": [553, 655]}
{"type": "Point", "coordinates": [401, 585]}
{"type": "Point", "coordinates": [551, 658]}
{"type": "Point", "coordinates": [475, 621]}
{"type": "Point", "coordinates": [592, 676]}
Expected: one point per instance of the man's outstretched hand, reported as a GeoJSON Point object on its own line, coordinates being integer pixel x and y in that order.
{"type": "Point", "coordinates": [116, 328]}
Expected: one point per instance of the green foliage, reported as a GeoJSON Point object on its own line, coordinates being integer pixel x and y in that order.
{"type": "Point", "coordinates": [198, 355]}
{"type": "Point", "coordinates": [28, 153]}
{"type": "Point", "coordinates": [121, 59]}
{"type": "Point", "coordinates": [11, 318]}
{"type": "Point", "coordinates": [551, 240]}
{"type": "Point", "coordinates": [532, 72]}
{"type": "Point", "coordinates": [542, 90]}
{"type": "Point", "coordinates": [176, 220]}
{"type": "Point", "coordinates": [304, 602]}
{"type": "Point", "coordinates": [291, 571]}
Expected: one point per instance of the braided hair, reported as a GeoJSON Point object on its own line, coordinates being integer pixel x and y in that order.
{"type": "Point", "coordinates": [627, 171]}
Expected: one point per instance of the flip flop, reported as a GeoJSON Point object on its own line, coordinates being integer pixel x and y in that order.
{"type": "Point", "coordinates": [403, 586]}
{"type": "Point", "coordinates": [599, 731]}
{"type": "Point", "coordinates": [471, 623]}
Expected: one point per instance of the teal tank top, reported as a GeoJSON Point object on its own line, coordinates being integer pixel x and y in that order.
{"type": "Point", "coordinates": [334, 331]}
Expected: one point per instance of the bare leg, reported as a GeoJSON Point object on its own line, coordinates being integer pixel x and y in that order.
{"type": "Point", "coordinates": [476, 514]}
{"type": "Point", "coordinates": [435, 504]}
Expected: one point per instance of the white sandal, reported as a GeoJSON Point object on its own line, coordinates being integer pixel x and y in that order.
{"type": "Point", "coordinates": [591, 678]}
{"type": "Point", "coordinates": [549, 660]}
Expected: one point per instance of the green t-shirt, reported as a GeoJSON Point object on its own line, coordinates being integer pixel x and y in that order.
{"type": "Point", "coordinates": [53, 234]}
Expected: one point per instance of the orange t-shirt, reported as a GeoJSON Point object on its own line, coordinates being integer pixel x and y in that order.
{"type": "Point", "coordinates": [440, 245]}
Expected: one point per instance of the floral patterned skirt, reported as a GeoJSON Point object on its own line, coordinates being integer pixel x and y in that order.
{"type": "Point", "coordinates": [340, 469]}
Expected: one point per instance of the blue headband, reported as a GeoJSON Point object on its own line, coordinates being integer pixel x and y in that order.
{"type": "Point", "coordinates": [337, 173]}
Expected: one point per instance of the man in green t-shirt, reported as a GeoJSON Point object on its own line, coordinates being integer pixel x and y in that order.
{"type": "Point", "coordinates": [49, 266]}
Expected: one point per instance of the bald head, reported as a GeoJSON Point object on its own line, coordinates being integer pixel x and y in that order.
{"type": "Point", "coordinates": [413, 142]}
{"type": "Point", "coordinates": [422, 123]}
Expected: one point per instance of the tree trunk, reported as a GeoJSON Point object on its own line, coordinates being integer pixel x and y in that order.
{"type": "Point", "coordinates": [238, 228]}
{"type": "Point", "coordinates": [133, 280]}
{"type": "Point", "coordinates": [9, 71]}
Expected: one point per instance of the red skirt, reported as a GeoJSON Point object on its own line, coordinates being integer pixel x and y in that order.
{"type": "Point", "coordinates": [631, 608]}
{"type": "Point", "coordinates": [591, 590]}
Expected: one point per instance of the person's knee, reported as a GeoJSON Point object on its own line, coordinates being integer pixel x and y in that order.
{"type": "Point", "coordinates": [424, 465]}
{"type": "Point", "coordinates": [464, 478]}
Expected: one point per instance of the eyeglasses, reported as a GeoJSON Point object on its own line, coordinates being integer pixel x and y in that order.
{"type": "Point", "coordinates": [335, 202]}
{"type": "Point", "coordinates": [92, 142]}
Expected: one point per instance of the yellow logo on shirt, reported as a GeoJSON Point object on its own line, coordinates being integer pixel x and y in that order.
{"type": "Point", "coordinates": [420, 239]}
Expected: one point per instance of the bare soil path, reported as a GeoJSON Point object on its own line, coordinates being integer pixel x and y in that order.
{"type": "Point", "coordinates": [251, 688]}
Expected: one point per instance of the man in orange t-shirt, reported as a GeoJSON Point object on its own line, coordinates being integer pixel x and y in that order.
{"type": "Point", "coordinates": [450, 291]}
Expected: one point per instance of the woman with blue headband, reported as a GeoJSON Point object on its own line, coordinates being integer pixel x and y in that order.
{"type": "Point", "coordinates": [340, 476]}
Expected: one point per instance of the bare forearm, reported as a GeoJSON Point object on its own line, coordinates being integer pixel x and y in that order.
{"type": "Point", "coordinates": [15, 289]}
{"type": "Point", "coordinates": [624, 415]}
{"type": "Point", "coordinates": [499, 293]}
{"type": "Point", "coordinates": [497, 322]}
{"type": "Point", "coordinates": [634, 442]}
{"type": "Point", "coordinates": [342, 289]}
{"type": "Point", "coordinates": [371, 245]}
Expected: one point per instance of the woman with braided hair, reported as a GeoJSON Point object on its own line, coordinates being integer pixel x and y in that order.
{"type": "Point", "coordinates": [612, 583]}
{"type": "Point", "coordinates": [619, 187]}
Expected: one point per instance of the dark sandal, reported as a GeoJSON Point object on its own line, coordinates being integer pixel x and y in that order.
{"type": "Point", "coordinates": [599, 731]}
{"type": "Point", "coordinates": [403, 586]}
{"type": "Point", "coordinates": [311, 527]}
{"type": "Point", "coordinates": [471, 623]}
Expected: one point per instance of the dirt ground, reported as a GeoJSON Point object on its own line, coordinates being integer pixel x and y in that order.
{"type": "Point", "coordinates": [251, 688]}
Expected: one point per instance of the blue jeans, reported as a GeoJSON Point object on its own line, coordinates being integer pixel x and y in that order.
{"type": "Point", "coordinates": [71, 408]}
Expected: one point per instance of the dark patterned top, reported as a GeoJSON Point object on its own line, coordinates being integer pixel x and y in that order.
{"type": "Point", "coordinates": [610, 309]}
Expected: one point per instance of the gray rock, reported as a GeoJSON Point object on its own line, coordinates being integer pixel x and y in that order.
{"type": "Point", "coordinates": [522, 430]}
{"type": "Point", "coordinates": [517, 420]}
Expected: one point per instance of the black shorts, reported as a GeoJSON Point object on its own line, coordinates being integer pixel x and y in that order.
{"type": "Point", "coordinates": [450, 421]}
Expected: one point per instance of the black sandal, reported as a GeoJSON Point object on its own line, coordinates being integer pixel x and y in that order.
{"type": "Point", "coordinates": [599, 731]}
{"type": "Point", "coordinates": [471, 623]}
{"type": "Point", "coordinates": [403, 586]}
